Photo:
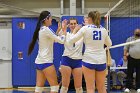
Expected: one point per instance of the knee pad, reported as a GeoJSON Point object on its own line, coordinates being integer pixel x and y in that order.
{"type": "Point", "coordinates": [79, 90]}
{"type": "Point", "coordinates": [55, 88]}
{"type": "Point", "coordinates": [39, 89]}
{"type": "Point", "coordinates": [64, 89]}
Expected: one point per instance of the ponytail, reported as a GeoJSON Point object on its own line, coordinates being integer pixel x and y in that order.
{"type": "Point", "coordinates": [34, 39]}
{"type": "Point", "coordinates": [97, 19]}
{"type": "Point", "coordinates": [42, 18]}
{"type": "Point", "coordinates": [95, 15]}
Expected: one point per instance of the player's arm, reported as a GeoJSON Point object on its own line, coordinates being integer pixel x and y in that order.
{"type": "Point", "coordinates": [108, 41]}
{"type": "Point", "coordinates": [59, 31]}
{"type": "Point", "coordinates": [62, 29]}
{"type": "Point", "coordinates": [59, 39]}
{"type": "Point", "coordinates": [77, 28]}
{"type": "Point", "coordinates": [76, 36]}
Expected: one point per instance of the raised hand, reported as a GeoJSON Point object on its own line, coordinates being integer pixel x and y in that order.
{"type": "Point", "coordinates": [85, 21]}
{"type": "Point", "coordinates": [59, 28]}
{"type": "Point", "coordinates": [59, 25]}
{"type": "Point", "coordinates": [77, 28]}
{"type": "Point", "coordinates": [64, 26]}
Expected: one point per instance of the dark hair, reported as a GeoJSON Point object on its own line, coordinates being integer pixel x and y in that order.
{"type": "Point", "coordinates": [72, 18]}
{"type": "Point", "coordinates": [95, 15]}
{"type": "Point", "coordinates": [41, 19]}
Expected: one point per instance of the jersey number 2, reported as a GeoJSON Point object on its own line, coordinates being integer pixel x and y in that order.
{"type": "Point", "coordinates": [96, 35]}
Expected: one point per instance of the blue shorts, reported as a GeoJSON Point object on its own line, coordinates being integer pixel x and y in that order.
{"type": "Point", "coordinates": [97, 67]}
{"type": "Point", "coordinates": [72, 63]}
{"type": "Point", "coordinates": [43, 66]}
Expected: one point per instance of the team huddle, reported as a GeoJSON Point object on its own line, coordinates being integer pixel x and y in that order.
{"type": "Point", "coordinates": [91, 63]}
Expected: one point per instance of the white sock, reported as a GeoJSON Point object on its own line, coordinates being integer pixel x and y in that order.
{"type": "Point", "coordinates": [63, 89]}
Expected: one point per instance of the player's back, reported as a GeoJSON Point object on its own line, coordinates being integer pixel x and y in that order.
{"type": "Point", "coordinates": [94, 38]}
{"type": "Point", "coordinates": [45, 52]}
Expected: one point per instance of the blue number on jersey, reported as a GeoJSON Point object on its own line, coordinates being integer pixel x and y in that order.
{"type": "Point", "coordinates": [97, 35]}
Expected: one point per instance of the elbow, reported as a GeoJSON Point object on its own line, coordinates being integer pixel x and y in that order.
{"type": "Point", "coordinates": [109, 44]}
{"type": "Point", "coordinates": [61, 42]}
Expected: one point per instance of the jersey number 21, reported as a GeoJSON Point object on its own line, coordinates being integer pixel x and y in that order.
{"type": "Point", "coordinates": [97, 35]}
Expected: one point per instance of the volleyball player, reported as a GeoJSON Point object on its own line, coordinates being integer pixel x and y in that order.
{"type": "Point", "coordinates": [94, 58]}
{"type": "Point", "coordinates": [71, 62]}
{"type": "Point", "coordinates": [44, 61]}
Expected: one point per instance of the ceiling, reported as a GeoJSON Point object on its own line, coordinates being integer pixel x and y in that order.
{"type": "Point", "coordinates": [30, 7]}
{"type": "Point", "coordinates": [33, 7]}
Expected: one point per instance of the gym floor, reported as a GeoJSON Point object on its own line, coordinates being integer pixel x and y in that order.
{"type": "Point", "coordinates": [18, 91]}
{"type": "Point", "coordinates": [45, 91]}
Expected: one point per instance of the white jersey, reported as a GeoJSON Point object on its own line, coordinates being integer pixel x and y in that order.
{"type": "Point", "coordinates": [94, 39]}
{"type": "Point", "coordinates": [46, 40]}
{"type": "Point", "coordinates": [73, 51]}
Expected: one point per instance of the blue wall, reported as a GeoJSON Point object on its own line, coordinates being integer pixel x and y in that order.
{"type": "Point", "coordinates": [21, 73]}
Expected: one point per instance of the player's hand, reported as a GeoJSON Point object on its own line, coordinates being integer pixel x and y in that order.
{"type": "Point", "coordinates": [85, 23]}
{"type": "Point", "coordinates": [77, 28]}
{"type": "Point", "coordinates": [59, 25]}
{"type": "Point", "coordinates": [64, 26]}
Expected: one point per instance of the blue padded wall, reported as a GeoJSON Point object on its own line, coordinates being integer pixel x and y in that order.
{"type": "Point", "coordinates": [20, 41]}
